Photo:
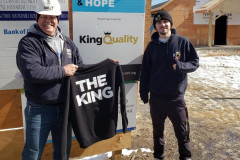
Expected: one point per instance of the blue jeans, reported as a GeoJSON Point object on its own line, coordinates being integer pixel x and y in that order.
{"type": "Point", "coordinates": [40, 120]}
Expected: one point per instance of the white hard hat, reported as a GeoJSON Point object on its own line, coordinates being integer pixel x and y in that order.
{"type": "Point", "coordinates": [49, 7]}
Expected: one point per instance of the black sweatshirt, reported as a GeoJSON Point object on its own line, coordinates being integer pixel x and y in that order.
{"type": "Point", "coordinates": [92, 103]}
{"type": "Point", "coordinates": [157, 73]}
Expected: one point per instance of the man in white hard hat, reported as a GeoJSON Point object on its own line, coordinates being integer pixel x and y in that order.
{"type": "Point", "coordinates": [45, 57]}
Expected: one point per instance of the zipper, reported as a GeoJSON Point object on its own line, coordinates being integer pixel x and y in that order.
{"type": "Point", "coordinates": [167, 47]}
{"type": "Point", "coordinates": [63, 49]}
{"type": "Point", "coordinates": [75, 59]}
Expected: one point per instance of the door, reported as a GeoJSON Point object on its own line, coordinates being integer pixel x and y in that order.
{"type": "Point", "coordinates": [221, 31]}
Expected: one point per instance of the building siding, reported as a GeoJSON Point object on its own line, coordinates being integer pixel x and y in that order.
{"type": "Point", "coordinates": [182, 14]}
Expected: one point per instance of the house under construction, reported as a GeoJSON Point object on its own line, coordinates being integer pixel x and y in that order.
{"type": "Point", "coordinates": [205, 22]}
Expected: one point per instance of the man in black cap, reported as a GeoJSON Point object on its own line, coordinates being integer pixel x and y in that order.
{"type": "Point", "coordinates": [166, 61]}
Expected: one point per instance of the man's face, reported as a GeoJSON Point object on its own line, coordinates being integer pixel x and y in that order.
{"type": "Point", "coordinates": [48, 24]}
{"type": "Point", "coordinates": [163, 27]}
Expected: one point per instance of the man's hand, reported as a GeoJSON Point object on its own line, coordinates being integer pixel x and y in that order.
{"type": "Point", "coordinates": [175, 65]}
{"type": "Point", "coordinates": [70, 69]}
{"type": "Point", "coordinates": [114, 61]}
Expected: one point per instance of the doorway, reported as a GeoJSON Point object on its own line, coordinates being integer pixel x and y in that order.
{"type": "Point", "coordinates": [221, 31]}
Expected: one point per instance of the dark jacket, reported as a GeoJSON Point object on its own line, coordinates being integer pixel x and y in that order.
{"type": "Point", "coordinates": [44, 76]}
{"type": "Point", "coordinates": [157, 73]}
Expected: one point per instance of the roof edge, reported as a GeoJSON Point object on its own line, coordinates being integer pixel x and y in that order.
{"type": "Point", "coordinates": [164, 5]}
{"type": "Point", "coordinates": [209, 6]}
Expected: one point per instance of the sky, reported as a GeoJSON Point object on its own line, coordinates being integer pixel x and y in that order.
{"type": "Point", "coordinates": [157, 1]}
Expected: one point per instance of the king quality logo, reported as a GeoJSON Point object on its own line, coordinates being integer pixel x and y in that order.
{"type": "Point", "coordinates": [108, 39]}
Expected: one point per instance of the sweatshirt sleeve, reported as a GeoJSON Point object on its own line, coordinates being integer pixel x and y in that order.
{"type": "Point", "coordinates": [120, 80]}
{"type": "Point", "coordinates": [145, 75]}
{"type": "Point", "coordinates": [191, 62]}
{"type": "Point", "coordinates": [29, 58]}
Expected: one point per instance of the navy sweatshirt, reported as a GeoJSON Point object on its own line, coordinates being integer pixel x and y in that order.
{"type": "Point", "coordinates": [92, 103]}
{"type": "Point", "coordinates": [157, 73]}
{"type": "Point", "coordinates": [44, 76]}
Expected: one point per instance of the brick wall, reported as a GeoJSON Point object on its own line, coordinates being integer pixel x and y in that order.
{"type": "Point", "coordinates": [182, 14]}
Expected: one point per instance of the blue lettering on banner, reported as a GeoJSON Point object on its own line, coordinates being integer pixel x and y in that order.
{"type": "Point", "coordinates": [122, 6]}
{"type": "Point", "coordinates": [15, 31]}
{"type": "Point", "coordinates": [25, 16]}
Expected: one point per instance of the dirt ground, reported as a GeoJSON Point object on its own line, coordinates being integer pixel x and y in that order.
{"type": "Point", "coordinates": [213, 101]}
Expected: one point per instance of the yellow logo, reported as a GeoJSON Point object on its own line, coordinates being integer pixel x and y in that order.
{"type": "Point", "coordinates": [108, 39]}
{"type": "Point", "coordinates": [178, 55]}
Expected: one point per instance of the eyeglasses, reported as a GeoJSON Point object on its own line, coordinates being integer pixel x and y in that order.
{"type": "Point", "coordinates": [51, 18]}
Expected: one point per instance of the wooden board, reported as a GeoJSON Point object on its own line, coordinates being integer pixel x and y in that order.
{"type": "Point", "coordinates": [116, 143]}
{"type": "Point", "coordinates": [11, 144]}
{"type": "Point", "coordinates": [10, 109]}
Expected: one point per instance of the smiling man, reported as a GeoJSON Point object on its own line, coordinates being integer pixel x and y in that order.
{"type": "Point", "coordinates": [48, 24]}
{"type": "Point", "coordinates": [166, 61]}
{"type": "Point", "coordinates": [45, 57]}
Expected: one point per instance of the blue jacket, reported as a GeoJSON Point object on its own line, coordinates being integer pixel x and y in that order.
{"type": "Point", "coordinates": [157, 73]}
{"type": "Point", "coordinates": [44, 76]}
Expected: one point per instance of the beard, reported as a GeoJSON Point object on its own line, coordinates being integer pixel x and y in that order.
{"type": "Point", "coordinates": [164, 31]}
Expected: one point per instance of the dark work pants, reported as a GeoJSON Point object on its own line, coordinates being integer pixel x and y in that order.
{"type": "Point", "coordinates": [175, 109]}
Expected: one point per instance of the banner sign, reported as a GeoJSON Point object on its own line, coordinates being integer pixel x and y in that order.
{"type": "Point", "coordinates": [25, 16]}
{"type": "Point", "coordinates": [109, 29]}
{"type": "Point", "coordinates": [112, 29]}
{"type": "Point", "coordinates": [131, 95]}
{"type": "Point", "coordinates": [118, 6]}
{"type": "Point", "coordinates": [16, 16]}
